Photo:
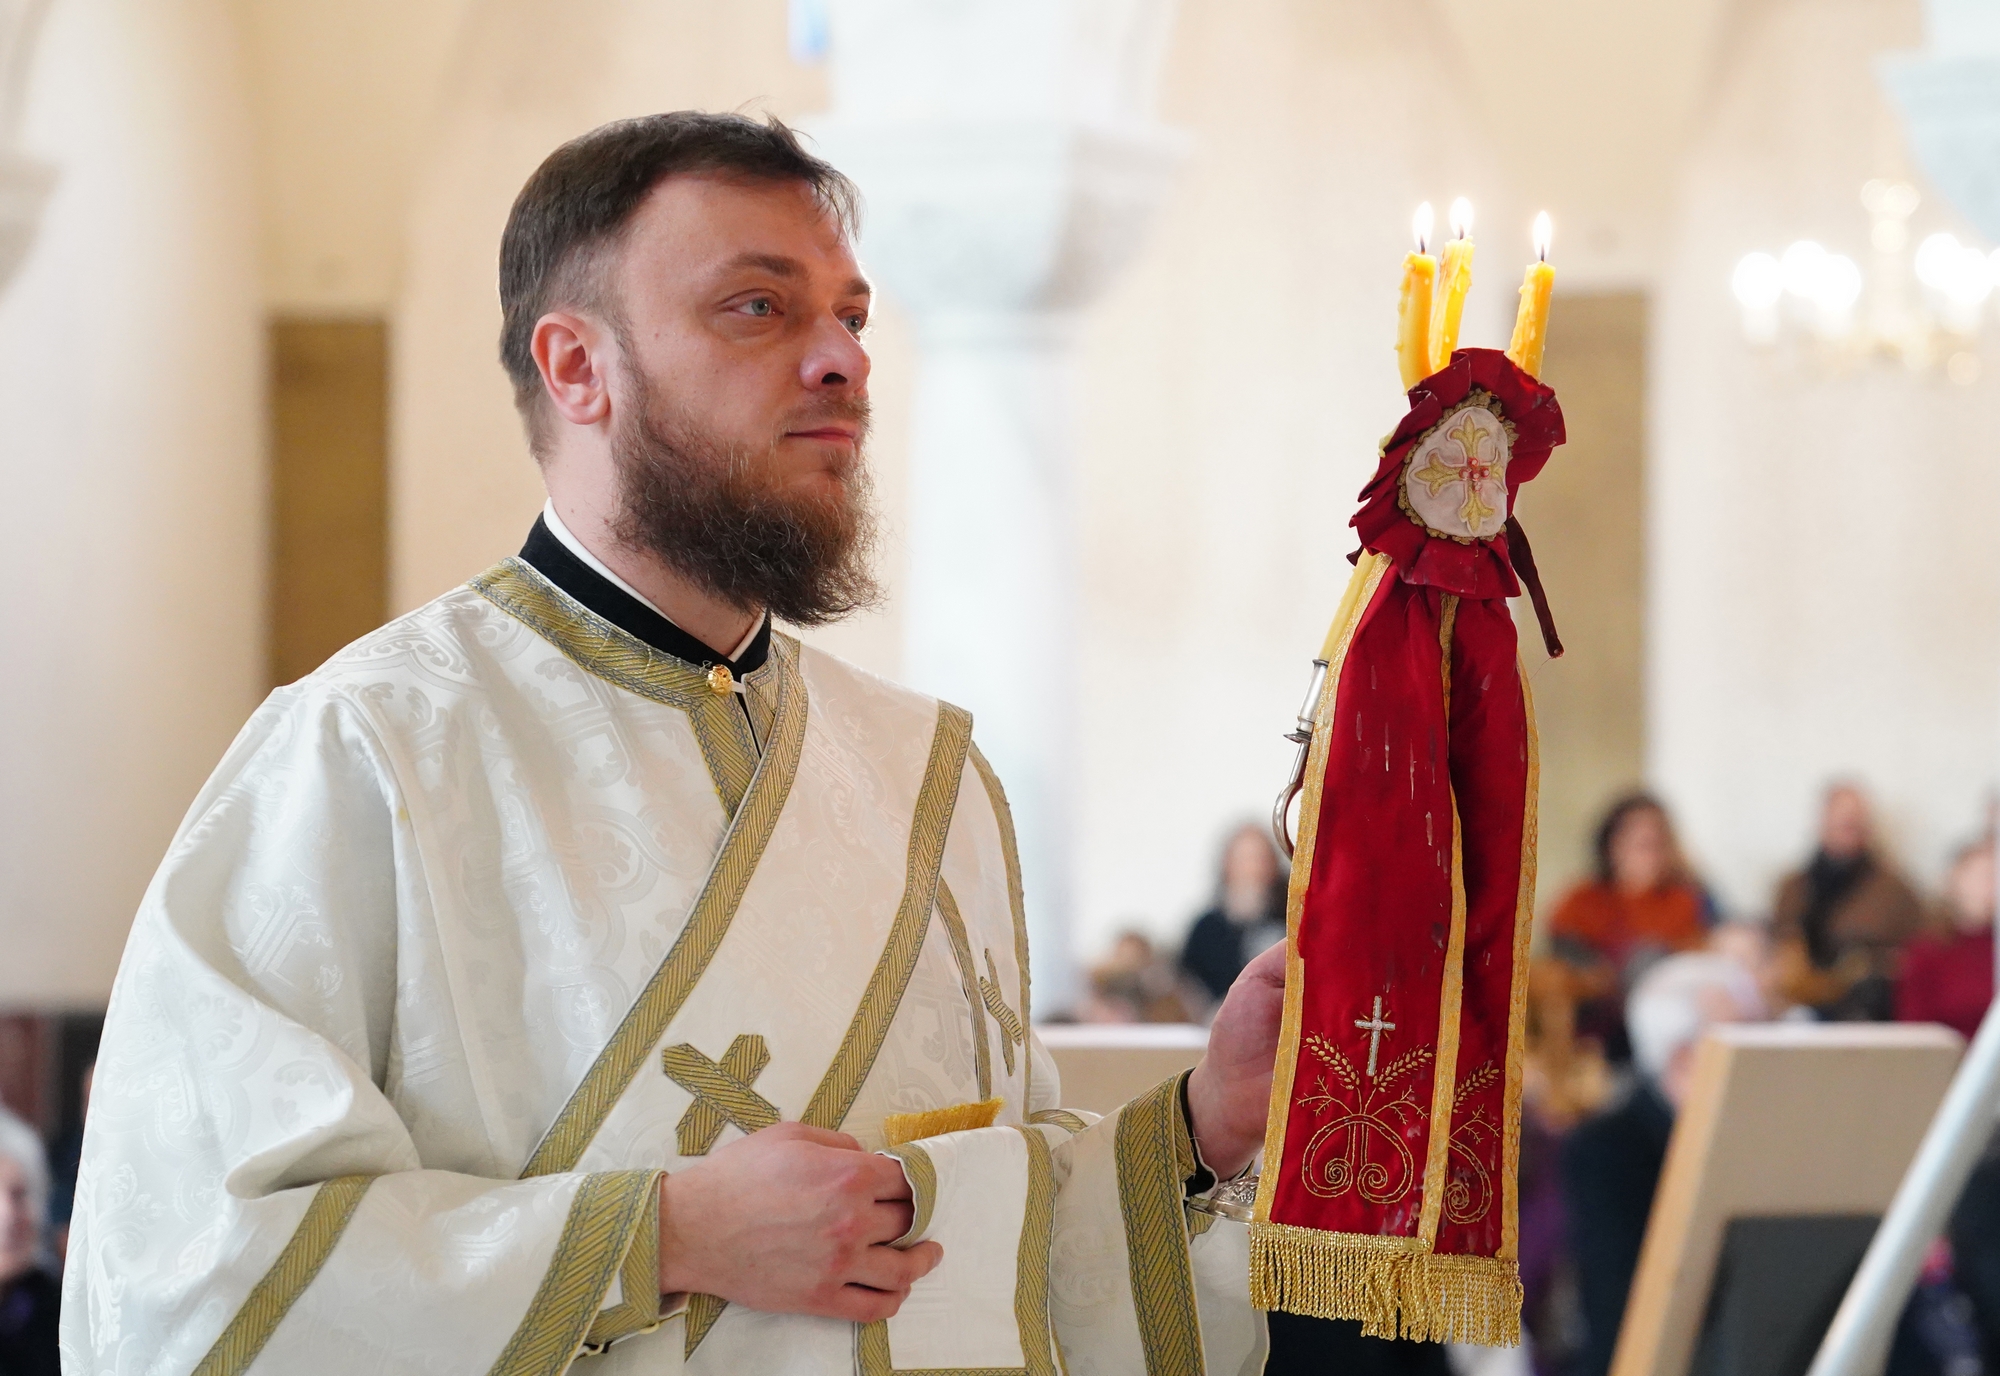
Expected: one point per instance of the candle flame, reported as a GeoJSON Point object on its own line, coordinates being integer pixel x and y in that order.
{"type": "Point", "coordinates": [1422, 225]}
{"type": "Point", "coordinates": [1461, 218]}
{"type": "Point", "coordinates": [1543, 232]}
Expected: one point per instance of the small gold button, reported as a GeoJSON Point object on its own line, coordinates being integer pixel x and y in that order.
{"type": "Point", "coordinates": [719, 680]}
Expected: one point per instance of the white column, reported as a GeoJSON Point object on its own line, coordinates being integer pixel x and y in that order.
{"type": "Point", "coordinates": [1010, 164]}
{"type": "Point", "coordinates": [131, 418]}
{"type": "Point", "coordinates": [25, 181]}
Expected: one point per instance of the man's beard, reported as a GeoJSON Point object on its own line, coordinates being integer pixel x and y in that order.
{"type": "Point", "coordinates": [709, 510]}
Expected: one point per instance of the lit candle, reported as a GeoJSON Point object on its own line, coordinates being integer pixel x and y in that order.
{"type": "Point", "coordinates": [1455, 275]}
{"type": "Point", "coordinates": [1413, 327]}
{"type": "Point", "coordinates": [1531, 323]}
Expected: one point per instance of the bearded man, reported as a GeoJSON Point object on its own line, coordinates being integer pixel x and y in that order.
{"type": "Point", "coordinates": [579, 965]}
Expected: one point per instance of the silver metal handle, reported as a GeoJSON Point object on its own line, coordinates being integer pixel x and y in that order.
{"type": "Point", "coordinates": [1301, 734]}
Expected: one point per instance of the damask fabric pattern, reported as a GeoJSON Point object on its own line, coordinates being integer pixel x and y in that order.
{"type": "Point", "coordinates": [414, 907]}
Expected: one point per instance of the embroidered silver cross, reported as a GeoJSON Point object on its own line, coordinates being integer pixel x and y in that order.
{"type": "Point", "coordinates": [1374, 1027]}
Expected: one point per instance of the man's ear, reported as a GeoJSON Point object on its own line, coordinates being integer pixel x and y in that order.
{"type": "Point", "coordinates": [574, 356]}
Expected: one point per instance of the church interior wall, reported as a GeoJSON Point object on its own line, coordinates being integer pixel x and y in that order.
{"type": "Point", "coordinates": [130, 417]}
{"type": "Point", "coordinates": [1820, 588]}
{"type": "Point", "coordinates": [1234, 386]}
{"type": "Point", "coordinates": [1805, 545]}
{"type": "Point", "coordinates": [1585, 514]}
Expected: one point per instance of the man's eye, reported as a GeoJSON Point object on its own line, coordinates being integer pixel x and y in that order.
{"type": "Point", "coordinates": [856, 323]}
{"type": "Point", "coordinates": [762, 305]}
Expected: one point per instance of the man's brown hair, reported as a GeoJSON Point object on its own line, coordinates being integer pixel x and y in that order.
{"type": "Point", "coordinates": [579, 201]}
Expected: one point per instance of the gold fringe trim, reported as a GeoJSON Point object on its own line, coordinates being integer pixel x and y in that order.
{"type": "Point", "coordinates": [899, 1128]}
{"type": "Point", "coordinates": [1395, 1287]}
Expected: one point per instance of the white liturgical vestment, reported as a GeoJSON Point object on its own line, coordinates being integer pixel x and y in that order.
{"type": "Point", "coordinates": [502, 913]}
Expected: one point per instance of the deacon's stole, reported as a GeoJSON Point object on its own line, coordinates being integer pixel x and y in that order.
{"type": "Point", "coordinates": [1388, 1184]}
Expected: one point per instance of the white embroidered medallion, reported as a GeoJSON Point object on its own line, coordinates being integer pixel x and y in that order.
{"type": "Point", "coordinates": [1455, 479]}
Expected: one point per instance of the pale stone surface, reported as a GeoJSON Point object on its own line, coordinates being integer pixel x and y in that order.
{"type": "Point", "coordinates": [1822, 596]}
{"type": "Point", "coordinates": [130, 452]}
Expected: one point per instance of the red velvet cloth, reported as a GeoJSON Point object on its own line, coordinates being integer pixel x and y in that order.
{"type": "Point", "coordinates": [1947, 980]}
{"type": "Point", "coordinates": [1377, 922]}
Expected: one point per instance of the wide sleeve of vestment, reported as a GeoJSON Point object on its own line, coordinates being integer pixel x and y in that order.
{"type": "Point", "coordinates": [1138, 1282]}
{"type": "Point", "coordinates": [250, 1199]}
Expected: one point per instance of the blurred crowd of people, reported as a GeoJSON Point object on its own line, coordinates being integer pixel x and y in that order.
{"type": "Point", "coordinates": [1639, 963]}
{"type": "Point", "coordinates": [1633, 965]}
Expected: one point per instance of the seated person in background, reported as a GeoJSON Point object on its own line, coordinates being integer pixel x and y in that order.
{"type": "Point", "coordinates": [1947, 975]}
{"type": "Point", "coordinates": [1134, 983]}
{"type": "Point", "coordinates": [1841, 922]}
{"type": "Point", "coordinates": [29, 1294]}
{"type": "Point", "coordinates": [1640, 905]}
{"type": "Point", "coordinates": [1611, 1163]}
{"type": "Point", "coordinates": [1247, 916]}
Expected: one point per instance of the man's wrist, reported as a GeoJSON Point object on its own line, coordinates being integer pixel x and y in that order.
{"type": "Point", "coordinates": [1219, 1151]}
{"type": "Point", "coordinates": [673, 1284]}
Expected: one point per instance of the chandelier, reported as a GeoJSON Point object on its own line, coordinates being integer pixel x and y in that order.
{"type": "Point", "coordinates": [1922, 311]}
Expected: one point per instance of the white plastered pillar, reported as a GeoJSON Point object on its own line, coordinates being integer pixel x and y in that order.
{"type": "Point", "coordinates": [1010, 164]}
{"type": "Point", "coordinates": [131, 416]}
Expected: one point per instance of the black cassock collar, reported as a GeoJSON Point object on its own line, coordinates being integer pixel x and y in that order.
{"type": "Point", "coordinates": [553, 560]}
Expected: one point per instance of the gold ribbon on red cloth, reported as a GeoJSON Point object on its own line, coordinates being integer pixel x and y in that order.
{"type": "Point", "coordinates": [1390, 1166]}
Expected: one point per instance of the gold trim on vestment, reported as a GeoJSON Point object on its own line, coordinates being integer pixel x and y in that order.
{"type": "Point", "coordinates": [631, 1046]}
{"type": "Point", "coordinates": [1031, 1285]}
{"type": "Point", "coordinates": [1155, 1157]}
{"type": "Point", "coordinates": [721, 1091]}
{"type": "Point", "coordinates": [1517, 1004]}
{"type": "Point", "coordinates": [1031, 1271]}
{"type": "Point", "coordinates": [618, 657]}
{"type": "Point", "coordinates": [936, 799]}
{"type": "Point", "coordinates": [608, 1209]}
{"type": "Point", "coordinates": [1010, 851]}
{"type": "Point", "coordinates": [921, 1172]}
{"type": "Point", "coordinates": [1059, 1117]}
{"type": "Point", "coordinates": [1451, 989]}
{"type": "Point", "coordinates": [871, 1358]}
{"type": "Point", "coordinates": [968, 978]}
{"type": "Point", "coordinates": [638, 1309]}
{"type": "Point", "coordinates": [1013, 1032]}
{"type": "Point", "coordinates": [937, 796]}
{"type": "Point", "coordinates": [1359, 596]}
{"type": "Point", "coordinates": [326, 1217]}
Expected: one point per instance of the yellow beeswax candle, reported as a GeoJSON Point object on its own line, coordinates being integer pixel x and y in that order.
{"type": "Point", "coordinates": [1531, 322]}
{"type": "Point", "coordinates": [1455, 280]}
{"type": "Point", "coordinates": [1413, 325]}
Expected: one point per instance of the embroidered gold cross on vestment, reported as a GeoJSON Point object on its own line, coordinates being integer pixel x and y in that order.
{"type": "Point", "coordinates": [1012, 1034]}
{"type": "Point", "coordinates": [722, 1092]}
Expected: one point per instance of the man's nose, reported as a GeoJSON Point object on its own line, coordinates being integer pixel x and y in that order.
{"type": "Point", "coordinates": [835, 361]}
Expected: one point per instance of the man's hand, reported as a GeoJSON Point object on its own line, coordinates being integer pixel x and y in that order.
{"type": "Point", "coordinates": [1229, 1094]}
{"type": "Point", "coordinates": [793, 1220]}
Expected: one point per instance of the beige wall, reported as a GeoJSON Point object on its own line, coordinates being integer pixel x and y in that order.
{"type": "Point", "coordinates": [1822, 590]}
{"type": "Point", "coordinates": [1235, 384]}
{"type": "Point", "coordinates": [344, 98]}
{"type": "Point", "coordinates": [1807, 606]}
{"type": "Point", "coordinates": [129, 449]}
{"type": "Point", "coordinates": [1585, 517]}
